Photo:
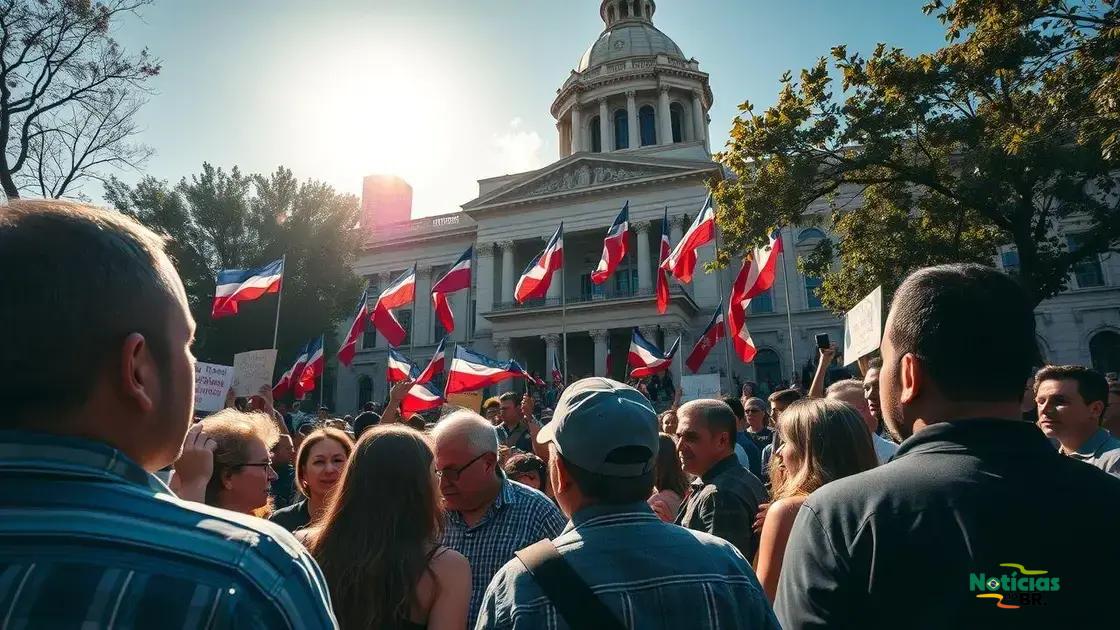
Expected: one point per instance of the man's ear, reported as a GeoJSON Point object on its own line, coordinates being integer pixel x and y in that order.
{"type": "Point", "coordinates": [139, 374]}
{"type": "Point", "coordinates": [1096, 410]}
{"type": "Point", "coordinates": [912, 374]}
{"type": "Point", "coordinates": [558, 475]}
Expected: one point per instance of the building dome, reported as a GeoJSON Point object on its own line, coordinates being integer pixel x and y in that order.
{"type": "Point", "coordinates": [629, 39]}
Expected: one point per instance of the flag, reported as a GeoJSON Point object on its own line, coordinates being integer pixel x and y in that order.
{"type": "Point", "coordinates": [662, 274]}
{"type": "Point", "coordinates": [760, 269]}
{"type": "Point", "coordinates": [537, 277]}
{"type": "Point", "coordinates": [681, 262]}
{"type": "Point", "coordinates": [456, 279]}
{"type": "Point", "coordinates": [646, 358]}
{"type": "Point", "coordinates": [313, 370]}
{"type": "Point", "coordinates": [471, 371]}
{"type": "Point", "coordinates": [435, 366]}
{"type": "Point", "coordinates": [614, 246]}
{"type": "Point", "coordinates": [399, 368]}
{"type": "Point", "coordinates": [243, 285]}
{"type": "Point", "coordinates": [737, 314]}
{"type": "Point", "coordinates": [284, 385]}
{"type": "Point", "coordinates": [712, 334]}
{"type": "Point", "coordinates": [399, 293]}
{"type": "Point", "coordinates": [421, 397]}
{"type": "Point", "coordinates": [350, 345]}
{"type": "Point", "coordinates": [557, 373]}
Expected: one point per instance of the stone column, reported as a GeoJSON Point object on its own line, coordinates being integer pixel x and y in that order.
{"type": "Point", "coordinates": [632, 119]}
{"type": "Point", "coordinates": [699, 119]}
{"type": "Point", "coordinates": [645, 264]}
{"type": "Point", "coordinates": [484, 285]}
{"type": "Point", "coordinates": [605, 135]}
{"type": "Point", "coordinates": [501, 347]}
{"type": "Point", "coordinates": [422, 311]}
{"type": "Point", "coordinates": [552, 349]}
{"type": "Point", "coordinates": [663, 115]}
{"type": "Point", "coordinates": [383, 279]}
{"type": "Point", "coordinates": [508, 281]}
{"type": "Point", "coordinates": [565, 140]}
{"type": "Point", "coordinates": [602, 339]}
{"type": "Point", "coordinates": [577, 129]}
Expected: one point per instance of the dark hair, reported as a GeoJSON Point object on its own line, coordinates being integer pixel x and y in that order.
{"type": "Point", "coordinates": [668, 472]}
{"type": "Point", "coordinates": [313, 438]}
{"type": "Point", "coordinates": [606, 490]}
{"type": "Point", "coordinates": [509, 397]}
{"type": "Point", "coordinates": [971, 326]}
{"type": "Point", "coordinates": [785, 397]}
{"type": "Point", "coordinates": [1091, 384]}
{"type": "Point", "coordinates": [382, 528]}
{"type": "Point", "coordinates": [365, 420]}
{"type": "Point", "coordinates": [368, 406]}
{"type": "Point", "coordinates": [522, 463]}
{"type": "Point", "coordinates": [736, 407]}
{"type": "Point", "coordinates": [875, 363]}
{"type": "Point", "coordinates": [717, 416]}
{"type": "Point", "coordinates": [74, 282]}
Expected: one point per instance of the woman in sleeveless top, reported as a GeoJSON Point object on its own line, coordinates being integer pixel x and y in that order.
{"type": "Point", "coordinates": [378, 542]}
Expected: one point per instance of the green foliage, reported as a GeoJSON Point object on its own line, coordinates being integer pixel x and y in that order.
{"type": "Point", "coordinates": [219, 220]}
{"type": "Point", "coordinates": [998, 138]}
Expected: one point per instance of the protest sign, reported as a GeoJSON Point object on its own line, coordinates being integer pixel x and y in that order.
{"type": "Point", "coordinates": [466, 400]}
{"type": "Point", "coordinates": [863, 327]}
{"type": "Point", "coordinates": [211, 382]}
{"type": "Point", "coordinates": [252, 370]}
{"type": "Point", "coordinates": [697, 386]}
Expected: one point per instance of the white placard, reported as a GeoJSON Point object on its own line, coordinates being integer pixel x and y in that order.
{"type": "Point", "coordinates": [700, 386]}
{"type": "Point", "coordinates": [211, 382]}
{"type": "Point", "coordinates": [863, 327]}
{"type": "Point", "coordinates": [252, 370]}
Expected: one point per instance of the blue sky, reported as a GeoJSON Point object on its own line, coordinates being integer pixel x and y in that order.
{"type": "Point", "coordinates": [445, 92]}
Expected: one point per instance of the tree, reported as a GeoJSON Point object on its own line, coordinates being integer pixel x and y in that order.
{"type": "Point", "coordinates": [220, 220]}
{"type": "Point", "coordinates": [999, 138]}
{"type": "Point", "coordinates": [68, 94]}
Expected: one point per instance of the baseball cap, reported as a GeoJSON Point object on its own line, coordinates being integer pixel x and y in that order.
{"type": "Point", "coordinates": [597, 416]}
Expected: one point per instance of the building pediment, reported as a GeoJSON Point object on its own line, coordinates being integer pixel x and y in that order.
{"type": "Point", "coordinates": [582, 174]}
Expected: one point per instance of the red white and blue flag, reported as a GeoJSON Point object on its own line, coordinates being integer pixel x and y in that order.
{"type": "Point", "coordinates": [557, 373]}
{"type": "Point", "coordinates": [712, 334]}
{"type": "Point", "coordinates": [760, 269]}
{"type": "Point", "coordinates": [662, 274]}
{"type": "Point", "coordinates": [357, 327]}
{"type": "Point", "coordinates": [681, 262]}
{"type": "Point", "coordinates": [243, 285]}
{"type": "Point", "coordinates": [400, 292]}
{"type": "Point", "coordinates": [435, 366]}
{"type": "Point", "coordinates": [421, 397]}
{"type": "Point", "coordinates": [614, 246]}
{"type": "Point", "coordinates": [535, 281]}
{"type": "Point", "coordinates": [471, 371]}
{"type": "Point", "coordinates": [647, 359]}
{"type": "Point", "coordinates": [456, 279]}
{"type": "Point", "coordinates": [399, 368]}
{"type": "Point", "coordinates": [313, 370]}
{"type": "Point", "coordinates": [287, 379]}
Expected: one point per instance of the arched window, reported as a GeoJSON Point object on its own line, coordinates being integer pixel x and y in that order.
{"type": "Point", "coordinates": [809, 234]}
{"type": "Point", "coordinates": [648, 125]}
{"type": "Point", "coordinates": [596, 136]}
{"type": "Point", "coordinates": [812, 292]}
{"type": "Point", "coordinates": [768, 368]}
{"type": "Point", "coordinates": [621, 130]}
{"type": "Point", "coordinates": [365, 390]}
{"type": "Point", "coordinates": [1104, 350]}
{"type": "Point", "coordinates": [676, 117]}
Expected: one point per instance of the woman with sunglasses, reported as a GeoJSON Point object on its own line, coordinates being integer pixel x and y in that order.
{"type": "Point", "coordinates": [319, 464]}
{"type": "Point", "coordinates": [242, 476]}
{"type": "Point", "coordinates": [378, 544]}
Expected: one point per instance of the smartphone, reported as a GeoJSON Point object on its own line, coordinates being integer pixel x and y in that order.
{"type": "Point", "coordinates": [823, 342]}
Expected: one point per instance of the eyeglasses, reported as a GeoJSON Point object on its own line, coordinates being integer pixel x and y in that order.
{"type": "Point", "coordinates": [754, 411]}
{"type": "Point", "coordinates": [267, 464]}
{"type": "Point", "coordinates": [452, 474]}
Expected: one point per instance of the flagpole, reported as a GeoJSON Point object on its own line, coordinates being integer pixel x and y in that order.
{"type": "Point", "coordinates": [789, 316]}
{"type": "Point", "coordinates": [726, 341]}
{"type": "Point", "coordinates": [412, 315]}
{"type": "Point", "coordinates": [469, 325]}
{"type": "Point", "coordinates": [564, 310]}
{"type": "Point", "coordinates": [279, 297]}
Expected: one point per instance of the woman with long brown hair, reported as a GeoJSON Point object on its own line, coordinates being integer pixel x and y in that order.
{"type": "Point", "coordinates": [820, 441]}
{"type": "Point", "coordinates": [670, 481]}
{"type": "Point", "coordinates": [378, 543]}
{"type": "Point", "coordinates": [319, 464]}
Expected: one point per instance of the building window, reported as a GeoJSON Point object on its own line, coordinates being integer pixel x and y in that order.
{"type": "Point", "coordinates": [1104, 350]}
{"type": "Point", "coordinates": [676, 117]}
{"type": "Point", "coordinates": [621, 130]}
{"type": "Point", "coordinates": [369, 335]}
{"type": "Point", "coordinates": [365, 390]}
{"type": "Point", "coordinates": [812, 292]}
{"type": "Point", "coordinates": [625, 10]}
{"type": "Point", "coordinates": [1088, 272]}
{"type": "Point", "coordinates": [626, 282]}
{"type": "Point", "coordinates": [588, 290]}
{"type": "Point", "coordinates": [768, 369]}
{"type": "Point", "coordinates": [809, 236]}
{"type": "Point", "coordinates": [648, 125]}
{"type": "Point", "coordinates": [1010, 261]}
{"type": "Point", "coordinates": [596, 136]}
{"type": "Point", "coordinates": [763, 303]}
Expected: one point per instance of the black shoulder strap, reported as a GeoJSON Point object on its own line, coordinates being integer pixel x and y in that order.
{"type": "Point", "coordinates": [573, 598]}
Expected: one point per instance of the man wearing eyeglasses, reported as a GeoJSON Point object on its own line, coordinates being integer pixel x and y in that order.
{"type": "Point", "coordinates": [489, 517]}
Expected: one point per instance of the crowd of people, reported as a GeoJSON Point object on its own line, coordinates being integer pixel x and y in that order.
{"type": "Point", "coordinates": [958, 483]}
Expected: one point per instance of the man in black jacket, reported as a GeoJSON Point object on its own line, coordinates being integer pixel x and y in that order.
{"type": "Point", "coordinates": [977, 521]}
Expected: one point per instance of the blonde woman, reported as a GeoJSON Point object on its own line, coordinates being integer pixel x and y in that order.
{"type": "Point", "coordinates": [241, 477]}
{"type": "Point", "coordinates": [820, 441]}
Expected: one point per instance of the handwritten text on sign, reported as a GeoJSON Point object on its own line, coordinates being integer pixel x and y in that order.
{"type": "Point", "coordinates": [211, 382]}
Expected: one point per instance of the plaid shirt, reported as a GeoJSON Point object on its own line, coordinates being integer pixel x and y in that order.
{"type": "Point", "coordinates": [519, 517]}
{"type": "Point", "coordinates": [650, 574]}
{"type": "Point", "coordinates": [88, 539]}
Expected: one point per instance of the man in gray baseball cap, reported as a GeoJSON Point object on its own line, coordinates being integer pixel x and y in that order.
{"type": "Point", "coordinates": [617, 564]}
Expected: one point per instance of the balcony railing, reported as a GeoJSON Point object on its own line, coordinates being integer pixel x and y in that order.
{"type": "Point", "coordinates": [585, 297]}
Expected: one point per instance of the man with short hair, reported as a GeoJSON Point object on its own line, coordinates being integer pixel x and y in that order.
{"type": "Point", "coordinates": [513, 432]}
{"type": "Point", "coordinates": [366, 420]}
{"type": "Point", "coordinates": [1071, 401]}
{"type": "Point", "coordinates": [746, 451]}
{"type": "Point", "coordinates": [871, 394]}
{"type": "Point", "coordinates": [850, 391]}
{"type": "Point", "coordinates": [977, 513]}
{"type": "Point", "coordinates": [725, 497]}
{"type": "Point", "coordinates": [603, 442]}
{"type": "Point", "coordinates": [489, 517]}
{"type": "Point", "coordinates": [97, 394]}
{"type": "Point", "coordinates": [779, 400]}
